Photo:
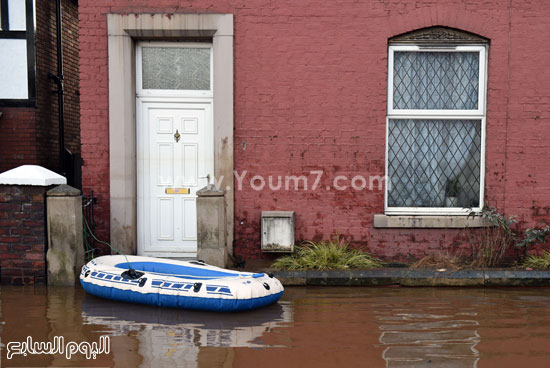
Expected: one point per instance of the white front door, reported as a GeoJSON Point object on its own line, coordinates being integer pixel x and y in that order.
{"type": "Point", "coordinates": [175, 155]}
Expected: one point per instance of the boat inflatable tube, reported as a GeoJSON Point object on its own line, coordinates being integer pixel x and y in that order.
{"type": "Point", "coordinates": [178, 284]}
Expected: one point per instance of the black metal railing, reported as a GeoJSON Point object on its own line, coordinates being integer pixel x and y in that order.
{"type": "Point", "coordinates": [88, 224]}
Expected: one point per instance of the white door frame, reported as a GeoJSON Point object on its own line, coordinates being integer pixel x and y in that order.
{"type": "Point", "coordinates": [177, 98]}
{"type": "Point", "coordinates": [120, 183]}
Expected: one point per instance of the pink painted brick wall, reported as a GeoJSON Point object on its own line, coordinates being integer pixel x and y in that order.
{"type": "Point", "coordinates": [310, 94]}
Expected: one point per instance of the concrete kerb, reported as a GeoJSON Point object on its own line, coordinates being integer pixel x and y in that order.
{"type": "Point", "coordinates": [410, 277]}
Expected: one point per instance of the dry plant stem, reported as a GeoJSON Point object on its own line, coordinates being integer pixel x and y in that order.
{"type": "Point", "coordinates": [439, 260]}
{"type": "Point", "coordinates": [489, 246]}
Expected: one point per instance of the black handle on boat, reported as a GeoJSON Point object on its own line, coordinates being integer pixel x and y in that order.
{"type": "Point", "coordinates": [197, 287]}
{"type": "Point", "coordinates": [132, 274]}
{"type": "Point", "coordinates": [198, 263]}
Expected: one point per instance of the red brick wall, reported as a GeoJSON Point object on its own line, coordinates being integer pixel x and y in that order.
{"type": "Point", "coordinates": [310, 94]}
{"type": "Point", "coordinates": [30, 135]}
{"type": "Point", "coordinates": [22, 235]}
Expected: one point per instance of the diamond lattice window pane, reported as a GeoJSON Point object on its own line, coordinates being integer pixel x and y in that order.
{"type": "Point", "coordinates": [180, 68]}
{"type": "Point", "coordinates": [434, 163]}
{"type": "Point", "coordinates": [435, 80]}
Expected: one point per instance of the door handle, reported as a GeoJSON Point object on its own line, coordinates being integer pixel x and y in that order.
{"type": "Point", "coordinates": [207, 177]}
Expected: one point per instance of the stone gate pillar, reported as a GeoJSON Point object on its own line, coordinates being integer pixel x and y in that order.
{"type": "Point", "coordinates": [65, 243]}
{"type": "Point", "coordinates": [211, 231]}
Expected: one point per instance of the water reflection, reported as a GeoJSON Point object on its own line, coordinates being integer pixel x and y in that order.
{"type": "Point", "coordinates": [417, 340]}
{"type": "Point", "coordinates": [309, 327]}
{"type": "Point", "coordinates": [173, 337]}
{"type": "Point", "coordinates": [186, 327]}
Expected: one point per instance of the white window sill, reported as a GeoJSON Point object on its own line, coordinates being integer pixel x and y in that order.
{"type": "Point", "coordinates": [424, 221]}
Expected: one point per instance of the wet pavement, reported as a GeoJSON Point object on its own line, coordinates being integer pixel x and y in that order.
{"type": "Point", "coordinates": [309, 327]}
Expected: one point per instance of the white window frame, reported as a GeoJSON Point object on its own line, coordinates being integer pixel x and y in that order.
{"type": "Point", "coordinates": [141, 92]}
{"type": "Point", "coordinates": [21, 34]}
{"type": "Point", "coordinates": [477, 114]}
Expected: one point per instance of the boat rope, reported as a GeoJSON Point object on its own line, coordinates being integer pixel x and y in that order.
{"type": "Point", "coordinates": [89, 231]}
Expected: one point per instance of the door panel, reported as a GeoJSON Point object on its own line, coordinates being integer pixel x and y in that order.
{"type": "Point", "coordinates": [165, 225]}
{"type": "Point", "coordinates": [175, 156]}
{"type": "Point", "coordinates": [165, 164]}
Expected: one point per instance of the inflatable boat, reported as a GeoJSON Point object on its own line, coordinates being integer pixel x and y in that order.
{"type": "Point", "coordinates": [178, 284]}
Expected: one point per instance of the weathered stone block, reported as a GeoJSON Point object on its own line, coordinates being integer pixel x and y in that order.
{"type": "Point", "coordinates": [211, 230]}
{"type": "Point", "coordinates": [65, 255]}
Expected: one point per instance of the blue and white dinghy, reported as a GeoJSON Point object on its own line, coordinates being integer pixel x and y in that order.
{"type": "Point", "coordinates": [179, 284]}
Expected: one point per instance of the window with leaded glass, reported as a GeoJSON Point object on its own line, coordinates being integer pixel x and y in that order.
{"type": "Point", "coordinates": [436, 123]}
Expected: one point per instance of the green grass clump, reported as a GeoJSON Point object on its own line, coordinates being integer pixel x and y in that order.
{"type": "Point", "coordinates": [533, 261]}
{"type": "Point", "coordinates": [328, 255]}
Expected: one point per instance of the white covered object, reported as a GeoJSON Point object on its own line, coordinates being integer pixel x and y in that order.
{"type": "Point", "coordinates": [31, 175]}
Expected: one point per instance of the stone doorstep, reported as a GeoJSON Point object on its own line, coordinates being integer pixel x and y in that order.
{"type": "Point", "coordinates": [409, 277]}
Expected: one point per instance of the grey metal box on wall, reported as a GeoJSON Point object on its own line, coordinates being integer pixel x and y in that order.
{"type": "Point", "coordinates": [278, 231]}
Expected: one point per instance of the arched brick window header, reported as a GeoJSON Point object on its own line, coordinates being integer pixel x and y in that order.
{"type": "Point", "coordinates": [439, 35]}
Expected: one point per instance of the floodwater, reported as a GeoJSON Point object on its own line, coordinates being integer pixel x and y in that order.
{"type": "Point", "coordinates": [309, 327]}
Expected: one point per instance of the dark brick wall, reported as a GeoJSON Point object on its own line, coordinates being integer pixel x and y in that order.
{"type": "Point", "coordinates": [17, 137]}
{"type": "Point", "coordinates": [22, 235]}
{"type": "Point", "coordinates": [46, 56]}
{"type": "Point", "coordinates": [30, 135]}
